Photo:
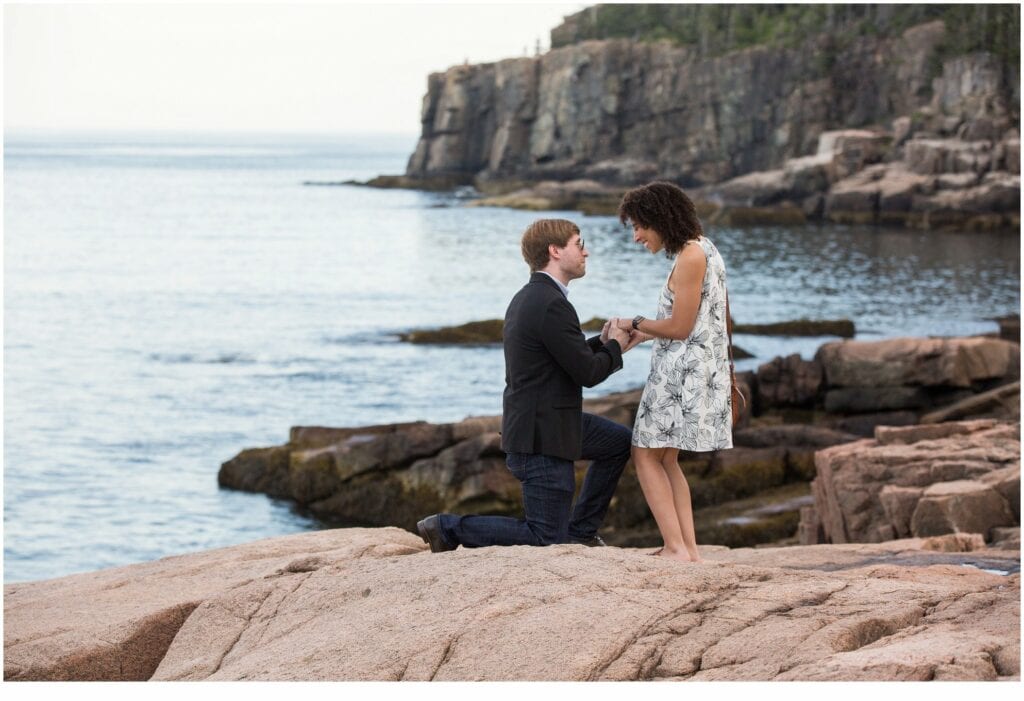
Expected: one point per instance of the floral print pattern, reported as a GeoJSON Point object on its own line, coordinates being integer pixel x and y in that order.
{"type": "Point", "coordinates": [686, 401]}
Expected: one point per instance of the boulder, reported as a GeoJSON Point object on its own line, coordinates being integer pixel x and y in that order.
{"type": "Point", "coordinates": [882, 193]}
{"type": "Point", "coordinates": [851, 477]}
{"type": "Point", "coordinates": [961, 506]}
{"type": "Point", "coordinates": [1009, 327]}
{"type": "Point", "coordinates": [790, 435]}
{"type": "Point", "coordinates": [934, 156]}
{"type": "Point", "coordinates": [467, 473]}
{"type": "Point", "coordinates": [475, 332]}
{"type": "Point", "coordinates": [800, 327]}
{"type": "Point", "coordinates": [994, 193]}
{"type": "Point", "coordinates": [927, 362]}
{"type": "Point", "coordinates": [854, 400]}
{"type": "Point", "coordinates": [865, 424]}
{"type": "Point", "coordinates": [362, 605]}
{"type": "Point", "coordinates": [317, 473]}
{"type": "Point", "coordinates": [739, 473]}
{"type": "Point", "coordinates": [1001, 402]}
{"type": "Point", "coordinates": [899, 504]}
{"type": "Point", "coordinates": [1007, 483]}
{"type": "Point", "coordinates": [1006, 538]}
{"type": "Point", "coordinates": [745, 383]}
{"type": "Point", "coordinates": [850, 150]}
{"type": "Point", "coordinates": [258, 470]}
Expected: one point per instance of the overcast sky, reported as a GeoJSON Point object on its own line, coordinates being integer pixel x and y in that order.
{"type": "Point", "coordinates": [342, 67]}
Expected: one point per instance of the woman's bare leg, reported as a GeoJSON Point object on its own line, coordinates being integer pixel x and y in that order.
{"type": "Point", "coordinates": [681, 500]}
{"type": "Point", "coordinates": [657, 489]}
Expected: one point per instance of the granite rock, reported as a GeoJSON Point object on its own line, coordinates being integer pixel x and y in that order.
{"type": "Point", "coordinates": [961, 474]}
{"type": "Point", "coordinates": [361, 605]}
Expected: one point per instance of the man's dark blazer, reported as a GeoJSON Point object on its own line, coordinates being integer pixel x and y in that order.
{"type": "Point", "coordinates": [547, 363]}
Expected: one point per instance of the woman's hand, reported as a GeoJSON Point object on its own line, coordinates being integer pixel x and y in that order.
{"type": "Point", "coordinates": [636, 339]}
{"type": "Point", "coordinates": [624, 324]}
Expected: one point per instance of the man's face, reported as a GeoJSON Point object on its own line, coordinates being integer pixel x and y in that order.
{"type": "Point", "coordinates": [573, 260]}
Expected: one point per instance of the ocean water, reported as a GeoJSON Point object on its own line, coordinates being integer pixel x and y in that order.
{"type": "Point", "coordinates": [170, 300]}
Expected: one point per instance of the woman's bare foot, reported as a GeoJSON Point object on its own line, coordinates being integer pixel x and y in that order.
{"type": "Point", "coordinates": [680, 555]}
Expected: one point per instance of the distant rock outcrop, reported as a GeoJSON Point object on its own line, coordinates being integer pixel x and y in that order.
{"type": "Point", "coordinates": [356, 604]}
{"type": "Point", "coordinates": [869, 130]}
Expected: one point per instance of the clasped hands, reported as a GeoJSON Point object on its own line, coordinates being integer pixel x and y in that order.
{"type": "Point", "coordinates": [622, 330]}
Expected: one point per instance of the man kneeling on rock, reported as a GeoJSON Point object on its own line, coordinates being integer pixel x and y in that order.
{"type": "Point", "coordinates": [543, 428]}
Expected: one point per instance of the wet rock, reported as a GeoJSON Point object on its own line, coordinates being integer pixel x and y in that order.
{"type": "Point", "coordinates": [474, 332]}
{"type": "Point", "coordinates": [1001, 402]}
{"type": "Point", "coordinates": [790, 435]}
{"type": "Point", "coordinates": [467, 473]}
{"type": "Point", "coordinates": [1009, 327]}
{"type": "Point", "coordinates": [865, 424]}
{"type": "Point", "coordinates": [587, 196]}
{"type": "Point", "coordinates": [258, 470]}
{"type": "Point", "coordinates": [738, 473]}
{"type": "Point", "coordinates": [800, 327]}
{"type": "Point", "coordinates": [770, 517]}
{"type": "Point", "coordinates": [475, 425]}
{"type": "Point", "coordinates": [789, 381]}
{"type": "Point", "coordinates": [853, 400]}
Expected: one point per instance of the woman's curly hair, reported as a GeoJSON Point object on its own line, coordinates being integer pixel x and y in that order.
{"type": "Point", "coordinates": [664, 207]}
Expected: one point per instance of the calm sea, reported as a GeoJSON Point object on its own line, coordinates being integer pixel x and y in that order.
{"type": "Point", "coordinates": [171, 300]}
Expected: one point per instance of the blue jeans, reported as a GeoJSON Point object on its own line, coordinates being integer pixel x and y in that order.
{"type": "Point", "coordinates": [548, 486]}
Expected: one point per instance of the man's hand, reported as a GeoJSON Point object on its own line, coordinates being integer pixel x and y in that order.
{"type": "Point", "coordinates": [617, 334]}
{"type": "Point", "coordinates": [604, 331]}
{"type": "Point", "coordinates": [636, 338]}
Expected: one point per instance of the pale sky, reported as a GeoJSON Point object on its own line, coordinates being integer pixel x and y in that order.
{"type": "Point", "coordinates": [341, 67]}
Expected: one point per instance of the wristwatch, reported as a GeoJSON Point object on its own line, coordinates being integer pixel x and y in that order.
{"type": "Point", "coordinates": [636, 322]}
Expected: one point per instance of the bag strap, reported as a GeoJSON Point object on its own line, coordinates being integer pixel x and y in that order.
{"type": "Point", "coordinates": [732, 365]}
{"type": "Point", "coordinates": [728, 331]}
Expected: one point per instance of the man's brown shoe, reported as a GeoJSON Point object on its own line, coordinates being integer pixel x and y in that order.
{"type": "Point", "coordinates": [430, 532]}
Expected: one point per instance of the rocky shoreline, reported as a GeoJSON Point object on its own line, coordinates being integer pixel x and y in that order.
{"type": "Point", "coordinates": [376, 605]}
{"type": "Point", "coordinates": [901, 530]}
{"type": "Point", "coordinates": [755, 493]}
{"type": "Point", "coordinates": [873, 130]}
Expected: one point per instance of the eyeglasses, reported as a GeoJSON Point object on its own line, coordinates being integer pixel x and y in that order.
{"type": "Point", "coordinates": [579, 244]}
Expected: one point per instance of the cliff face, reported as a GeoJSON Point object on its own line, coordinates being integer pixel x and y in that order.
{"type": "Point", "coordinates": [624, 112]}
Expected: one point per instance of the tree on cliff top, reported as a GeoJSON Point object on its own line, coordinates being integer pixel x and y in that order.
{"type": "Point", "coordinates": [717, 29]}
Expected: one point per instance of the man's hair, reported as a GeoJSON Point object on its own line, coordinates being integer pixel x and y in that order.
{"type": "Point", "coordinates": [541, 234]}
{"type": "Point", "coordinates": [665, 208]}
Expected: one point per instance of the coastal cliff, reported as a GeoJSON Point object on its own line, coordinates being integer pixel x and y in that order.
{"type": "Point", "coordinates": [613, 113]}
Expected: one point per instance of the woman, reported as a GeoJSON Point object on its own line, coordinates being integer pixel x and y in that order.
{"type": "Point", "coordinates": [686, 403]}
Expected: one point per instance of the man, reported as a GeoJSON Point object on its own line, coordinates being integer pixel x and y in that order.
{"type": "Point", "coordinates": [547, 363]}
